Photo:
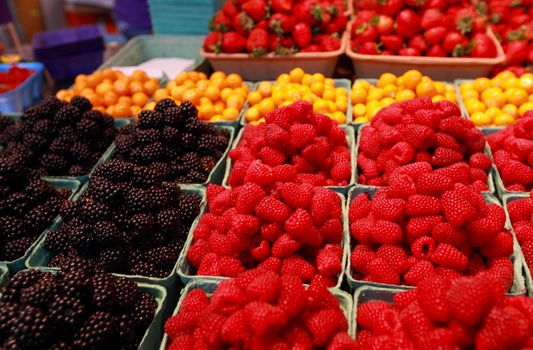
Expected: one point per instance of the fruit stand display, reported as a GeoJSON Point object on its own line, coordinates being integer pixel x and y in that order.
{"type": "Point", "coordinates": [272, 197]}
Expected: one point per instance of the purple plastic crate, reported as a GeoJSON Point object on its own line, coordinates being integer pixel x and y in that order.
{"type": "Point", "coordinates": [65, 38]}
{"type": "Point", "coordinates": [63, 68]}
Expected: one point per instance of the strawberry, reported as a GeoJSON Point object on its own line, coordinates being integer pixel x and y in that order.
{"type": "Point", "coordinates": [213, 42]}
{"type": "Point", "coordinates": [281, 5]}
{"type": "Point", "coordinates": [233, 42]}
{"type": "Point", "coordinates": [301, 35]}
{"type": "Point", "coordinates": [281, 23]}
{"type": "Point", "coordinates": [392, 42]}
{"type": "Point", "coordinates": [308, 12]}
{"type": "Point", "coordinates": [408, 23]}
{"type": "Point", "coordinates": [469, 299]}
{"type": "Point", "coordinates": [257, 43]}
{"type": "Point", "coordinates": [220, 22]}
{"type": "Point", "coordinates": [257, 9]}
{"type": "Point", "coordinates": [329, 43]}
{"type": "Point", "coordinates": [504, 328]}
{"type": "Point", "coordinates": [272, 210]}
{"type": "Point", "coordinates": [263, 317]}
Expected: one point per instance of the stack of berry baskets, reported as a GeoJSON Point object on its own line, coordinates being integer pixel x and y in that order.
{"type": "Point", "coordinates": [152, 337]}
{"type": "Point", "coordinates": [508, 198]}
{"type": "Point", "coordinates": [518, 287]}
{"type": "Point", "coordinates": [60, 185]}
{"type": "Point", "coordinates": [350, 137]}
{"type": "Point", "coordinates": [40, 256]}
{"type": "Point", "coordinates": [187, 272]}
{"type": "Point", "coordinates": [209, 286]}
{"type": "Point", "coordinates": [339, 83]}
{"type": "Point", "coordinates": [4, 274]}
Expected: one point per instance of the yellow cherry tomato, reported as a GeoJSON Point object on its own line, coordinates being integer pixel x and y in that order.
{"type": "Point", "coordinates": [266, 106]}
{"type": "Point", "coordinates": [481, 84]}
{"type": "Point", "coordinates": [252, 114]}
{"type": "Point", "coordinates": [230, 113]}
{"type": "Point", "coordinates": [225, 93]}
{"type": "Point", "coordinates": [467, 86]}
{"type": "Point", "coordinates": [375, 94]}
{"type": "Point", "coordinates": [235, 101]}
{"type": "Point", "coordinates": [426, 88]}
{"type": "Point", "coordinates": [492, 112]}
{"type": "Point", "coordinates": [387, 101]}
{"type": "Point", "coordinates": [474, 106]}
{"type": "Point", "coordinates": [504, 119]}
{"type": "Point", "coordinates": [480, 118]}
{"type": "Point", "coordinates": [265, 88]}
{"type": "Point", "coordinates": [363, 84]}
{"type": "Point", "coordinates": [317, 87]}
{"type": "Point", "coordinates": [234, 80]}
{"type": "Point", "coordinates": [441, 87]}
{"type": "Point", "coordinates": [470, 94]}
{"type": "Point", "coordinates": [405, 95]}
{"type": "Point", "coordinates": [320, 106]}
{"type": "Point", "coordinates": [390, 90]}
{"type": "Point", "coordinates": [411, 79]}
{"type": "Point", "coordinates": [528, 106]}
{"type": "Point", "coordinates": [510, 109]}
{"type": "Point", "coordinates": [283, 78]}
{"type": "Point", "coordinates": [206, 111]}
{"type": "Point", "coordinates": [526, 82]}
{"type": "Point", "coordinates": [358, 95]}
{"type": "Point", "coordinates": [254, 97]}
{"type": "Point", "coordinates": [438, 98]}
{"type": "Point", "coordinates": [386, 79]}
{"type": "Point", "coordinates": [361, 120]}
{"type": "Point", "coordinates": [359, 110]}
{"type": "Point", "coordinates": [342, 105]}
{"type": "Point", "coordinates": [516, 96]}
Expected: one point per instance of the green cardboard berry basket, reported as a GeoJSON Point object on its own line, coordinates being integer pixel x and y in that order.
{"type": "Point", "coordinates": [518, 287]}
{"type": "Point", "coordinates": [4, 274]}
{"type": "Point", "coordinates": [527, 271]}
{"type": "Point", "coordinates": [374, 82]}
{"type": "Point", "coordinates": [40, 257]}
{"type": "Point", "coordinates": [209, 286]}
{"type": "Point", "coordinates": [342, 83]}
{"type": "Point", "coordinates": [486, 129]}
{"type": "Point", "coordinates": [350, 137]}
{"type": "Point", "coordinates": [59, 184]}
{"type": "Point", "coordinates": [490, 175]}
{"type": "Point", "coordinates": [154, 332]}
{"type": "Point", "coordinates": [217, 173]}
{"type": "Point", "coordinates": [117, 122]}
{"type": "Point", "coordinates": [187, 272]}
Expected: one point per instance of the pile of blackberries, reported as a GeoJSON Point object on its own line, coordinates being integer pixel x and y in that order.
{"type": "Point", "coordinates": [127, 222]}
{"type": "Point", "coordinates": [28, 206]}
{"type": "Point", "coordinates": [57, 138]}
{"type": "Point", "coordinates": [73, 309]}
{"type": "Point", "coordinates": [171, 140]}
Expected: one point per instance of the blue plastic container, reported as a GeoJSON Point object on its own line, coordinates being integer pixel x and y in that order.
{"type": "Point", "coordinates": [182, 16]}
{"type": "Point", "coordinates": [27, 93]}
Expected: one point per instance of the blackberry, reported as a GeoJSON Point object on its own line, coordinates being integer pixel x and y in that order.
{"type": "Point", "coordinates": [126, 294]}
{"type": "Point", "coordinates": [115, 170]}
{"type": "Point", "coordinates": [164, 258]}
{"type": "Point", "coordinates": [143, 223]}
{"type": "Point", "coordinates": [188, 141]}
{"type": "Point", "coordinates": [189, 208]}
{"type": "Point", "coordinates": [112, 260]}
{"type": "Point", "coordinates": [80, 152]}
{"type": "Point", "coordinates": [44, 128]}
{"type": "Point", "coordinates": [17, 248]}
{"type": "Point", "coordinates": [207, 163]}
{"type": "Point", "coordinates": [125, 143]}
{"type": "Point", "coordinates": [163, 169]}
{"type": "Point", "coordinates": [173, 193]}
{"type": "Point", "coordinates": [99, 117]}
{"type": "Point", "coordinates": [11, 227]}
{"type": "Point", "coordinates": [122, 220]}
{"type": "Point", "coordinates": [40, 217]}
{"type": "Point", "coordinates": [61, 145]}
{"type": "Point", "coordinates": [153, 152]}
{"type": "Point", "coordinates": [49, 106]}
{"type": "Point", "coordinates": [67, 313]}
{"type": "Point", "coordinates": [148, 136]}
{"type": "Point", "coordinates": [150, 119]}
{"type": "Point", "coordinates": [93, 211]}
{"type": "Point", "coordinates": [145, 177]}
{"type": "Point", "coordinates": [103, 291]}
{"type": "Point", "coordinates": [158, 198]}
{"type": "Point", "coordinates": [77, 170]}
{"type": "Point", "coordinates": [105, 191]}
{"type": "Point", "coordinates": [106, 232]}
{"type": "Point", "coordinates": [165, 104]}
{"type": "Point", "coordinates": [34, 142]}
{"type": "Point", "coordinates": [171, 135]}
{"type": "Point", "coordinates": [69, 209]}
{"type": "Point", "coordinates": [8, 313]}
{"type": "Point", "coordinates": [39, 293]}
{"type": "Point", "coordinates": [30, 328]}
{"type": "Point", "coordinates": [206, 145]}
{"type": "Point", "coordinates": [144, 309]}
{"type": "Point", "coordinates": [5, 122]}
{"type": "Point", "coordinates": [168, 221]}
{"type": "Point", "coordinates": [68, 132]}
{"type": "Point", "coordinates": [190, 161]}
{"type": "Point", "coordinates": [81, 103]}
{"type": "Point", "coordinates": [187, 110]}
{"type": "Point", "coordinates": [145, 269]}
{"type": "Point", "coordinates": [87, 128]}
{"type": "Point", "coordinates": [37, 190]}
{"type": "Point", "coordinates": [17, 282]}
{"type": "Point", "coordinates": [193, 176]}
{"type": "Point", "coordinates": [98, 332]}
{"type": "Point", "coordinates": [67, 115]}
{"type": "Point", "coordinates": [194, 126]}
{"type": "Point", "coordinates": [54, 164]}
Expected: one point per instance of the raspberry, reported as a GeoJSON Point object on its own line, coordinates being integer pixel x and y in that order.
{"type": "Point", "coordinates": [296, 196]}
{"type": "Point", "coordinates": [360, 207]}
{"type": "Point", "coordinates": [301, 135]}
{"type": "Point", "coordinates": [271, 156]}
{"type": "Point", "coordinates": [527, 250]}
{"type": "Point", "coordinates": [292, 296]}
{"type": "Point", "coordinates": [415, 322]}
{"type": "Point", "coordinates": [260, 250]}
{"type": "Point", "coordinates": [401, 186]}
{"type": "Point", "coordinates": [420, 137]}
{"type": "Point", "coordinates": [270, 209]}
{"type": "Point", "coordinates": [298, 266]}
{"type": "Point", "coordinates": [469, 299]}
{"type": "Point", "coordinates": [228, 297]}
{"type": "Point", "coordinates": [248, 197]}
{"type": "Point", "coordinates": [367, 313]}
{"type": "Point", "coordinates": [325, 205]}
{"type": "Point", "coordinates": [520, 210]}
{"type": "Point", "coordinates": [388, 209]}
{"type": "Point", "coordinates": [514, 172]}
{"type": "Point", "coordinates": [259, 173]}
{"type": "Point", "coordinates": [323, 325]}
{"type": "Point", "coordinates": [431, 295]}
{"type": "Point", "coordinates": [422, 205]}
{"type": "Point", "coordinates": [195, 301]}
{"type": "Point", "coordinates": [332, 231]}
{"type": "Point", "coordinates": [263, 317]}
{"type": "Point", "coordinates": [420, 270]}
{"type": "Point", "coordinates": [386, 232]}
{"type": "Point", "coordinates": [433, 184]}
{"type": "Point", "coordinates": [502, 271]}
{"type": "Point", "coordinates": [413, 170]}
{"type": "Point", "coordinates": [423, 248]}
{"type": "Point", "coordinates": [395, 255]}
{"type": "Point", "coordinates": [504, 328]}
{"type": "Point", "coordinates": [450, 109]}
{"type": "Point", "coordinates": [447, 255]}
{"type": "Point", "coordinates": [281, 117]}
{"type": "Point", "coordinates": [235, 329]}
{"type": "Point", "coordinates": [501, 246]}
{"type": "Point", "coordinates": [402, 153]}
{"type": "Point", "coordinates": [447, 141]}
{"type": "Point", "coordinates": [360, 257]}
{"type": "Point", "coordinates": [328, 260]}
{"type": "Point", "coordinates": [341, 172]}
{"type": "Point", "coordinates": [342, 341]}
{"type": "Point", "coordinates": [457, 209]}
{"type": "Point", "coordinates": [381, 271]}
{"type": "Point", "coordinates": [285, 245]}
{"type": "Point", "coordinates": [442, 336]}
{"type": "Point", "coordinates": [445, 156]}
{"type": "Point", "coordinates": [265, 287]}
{"type": "Point", "coordinates": [480, 161]}
{"type": "Point", "coordinates": [404, 299]}
{"type": "Point", "coordinates": [369, 143]}
{"type": "Point", "coordinates": [184, 341]}
{"type": "Point", "coordinates": [301, 227]}
{"type": "Point", "coordinates": [421, 226]}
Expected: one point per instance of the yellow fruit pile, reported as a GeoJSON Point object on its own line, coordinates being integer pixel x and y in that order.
{"type": "Point", "coordinates": [499, 101]}
{"type": "Point", "coordinates": [113, 92]}
{"type": "Point", "coordinates": [218, 98]}
{"type": "Point", "coordinates": [367, 99]}
{"type": "Point", "coordinates": [298, 86]}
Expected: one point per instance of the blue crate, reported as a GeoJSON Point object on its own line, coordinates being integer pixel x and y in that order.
{"type": "Point", "coordinates": [27, 93]}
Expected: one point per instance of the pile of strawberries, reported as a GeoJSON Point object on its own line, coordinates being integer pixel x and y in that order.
{"type": "Point", "coordinates": [296, 228]}
{"type": "Point", "coordinates": [293, 145]}
{"type": "Point", "coordinates": [428, 222]}
{"type": "Point", "coordinates": [444, 314]}
{"type": "Point", "coordinates": [283, 27]}
{"type": "Point", "coordinates": [260, 310]}
{"type": "Point", "coordinates": [520, 212]}
{"type": "Point", "coordinates": [422, 131]}
{"type": "Point", "coordinates": [512, 150]}
{"type": "Point", "coordinates": [434, 28]}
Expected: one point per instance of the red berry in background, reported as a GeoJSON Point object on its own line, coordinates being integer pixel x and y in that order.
{"type": "Point", "coordinates": [436, 51]}
{"type": "Point", "coordinates": [230, 9]}
{"type": "Point", "coordinates": [233, 42]}
{"type": "Point", "coordinates": [368, 48]}
{"type": "Point", "coordinates": [221, 22]}
{"type": "Point", "coordinates": [418, 42]}
{"type": "Point", "coordinates": [409, 51]}
{"type": "Point", "coordinates": [301, 35]}
{"type": "Point", "coordinates": [431, 18]}
{"type": "Point", "coordinates": [390, 7]}
{"type": "Point", "coordinates": [366, 33]}
{"type": "Point", "coordinates": [257, 43]}
{"type": "Point", "coordinates": [281, 5]}
{"type": "Point", "coordinates": [455, 43]}
{"type": "Point", "coordinates": [516, 52]}
{"type": "Point", "coordinates": [213, 42]}
{"type": "Point", "coordinates": [392, 42]}
{"type": "Point", "coordinates": [243, 24]}
{"type": "Point", "coordinates": [435, 35]}
{"type": "Point", "coordinates": [255, 9]}
{"type": "Point", "coordinates": [484, 47]}
{"type": "Point", "coordinates": [281, 23]}
{"type": "Point", "coordinates": [384, 24]}
{"type": "Point", "coordinates": [407, 23]}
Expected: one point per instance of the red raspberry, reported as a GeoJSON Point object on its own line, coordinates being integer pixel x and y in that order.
{"type": "Point", "coordinates": [284, 246]}
{"type": "Point", "coordinates": [301, 135]}
{"type": "Point", "coordinates": [418, 271]}
{"type": "Point", "coordinates": [480, 161]}
{"type": "Point", "coordinates": [264, 287]}
{"type": "Point", "coordinates": [341, 172]}
{"type": "Point", "coordinates": [325, 205]}
{"type": "Point", "coordinates": [381, 271]}
{"type": "Point", "coordinates": [386, 232]}
{"type": "Point", "coordinates": [247, 198]}
{"type": "Point", "coordinates": [527, 250]}
{"type": "Point", "coordinates": [505, 328]}
{"type": "Point", "coordinates": [281, 117]}
{"type": "Point", "coordinates": [457, 209]}
{"type": "Point", "coordinates": [213, 191]}
{"type": "Point", "coordinates": [520, 209]}
{"type": "Point", "coordinates": [323, 325]}
{"type": "Point", "coordinates": [422, 205]}
{"type": "Point", "coordinates": [502, 271]}
{"type": "Point", "coordinates": [523, 232]}
{"type": "Point", "coordinates": [271, 231]}
{"type": "Point", "coordinates": [516, 188]}
{"type": "Point", "coordinates": [328, 260]}
{"type": "Point", "coordinates": [413, 170]}
{"type": "Point", "coordinates": [420, 137]}
{"type": "Point", "coordinates": [514, 172]}
{"type": "Point", "coordinates": [401, 186]}
{"type": "Point", "coordinates": [447, 255]}
{"type": "Point", "coordinates": [259, 249]}
{"type": "Point", "coordinates": [292, 298]}
{"type": "Point", "coordinates": [431, 295]}
{"type": "Point", "coordinates": [415, 322]}
{"type": "Point", "coordinates": [301, 227]}
{"type": "Point", "coordinates": [259, 173]}
{"type": "Point", "coordinates": [469, 299]}
{"type": "Point", "coordinates": [284, 173]}
{"type": "Point", "coordinates": [296, 196]}
{"type": "Point", "coordinates": [433, 184]}
{"type": "Point", "coordinates": [368, 167]}
{"type": "Point", "coordinates": [387, 322]}
{"type": "Point", "coordinates": [297, 336]}
{"type": "Point", "coordinates": [332, 231]}
{"type": "Point", "coordinates": [446, 156]}
{"type": "Point", "coordinates": [450, 109]}
{"type": "Point", "coordinates": [236, 329]}
{"type": "Point", "coordinates": [447, 141]}
{"type": "Point", "coordinates": [184, 341]}
{"type": "Point", "coordinates": [421, 226]}
{"type": "Point", "coordinates": [395, 255]}
{"type": "Point", "coordinates": [442, 336]}
{"type": "Point", "coordinates": [402, 153]}
{"type": "Point", "coordinates": [360, 257]}
{"type": "Point", "coordinates": [271, 156]}
{"type": "Point", "coordinates": [404, 299]}
{"type": "Point", "coordinates": [264, 318]}
{"type": "Point", "coordinates": [313, 179]}
{"type": "Point", "coordinates": [501, 246]}
{"type": "Point", "coordinates": [391, 115]}
{"type": "Point", "coordinates": [423, 248]}
{"type": "Point", "coordinates": [369, 145]}
{"type": "Point", "coordinates": [272, 210]}
{"type": "Point", "coordinates": [270, 264]}
{"type": "Point", "coordinates": [428, 117]}
{"type": "Point", "coordinates": [197, 251]}
{"type": "Point", "coordinates": [228, 266]}
{"type": "Point", "coordinates": [342, 341]}
{"type": "Point", "coordinates": [459, 172]}
{"type": "Point", "coordinates": [361, 230]}
{"type": "Point", "coordinates": [368, 312]}
{"type": "Point", "coordinates": [388, 209]}
{"type": "Point", "coordinates": [298, 266]}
